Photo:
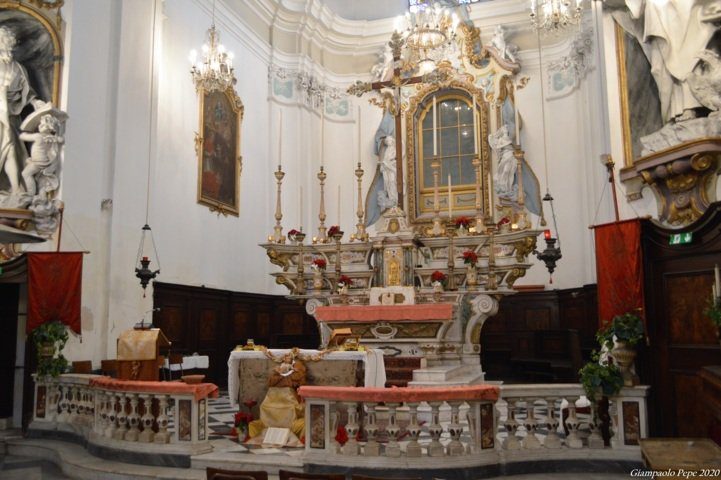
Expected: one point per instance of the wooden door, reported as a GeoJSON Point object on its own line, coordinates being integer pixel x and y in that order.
{"type": "Point", "coordinates": [678, 283]}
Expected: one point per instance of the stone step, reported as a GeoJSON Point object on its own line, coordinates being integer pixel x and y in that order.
{"type": "Point", "coordinates": [445, 373]}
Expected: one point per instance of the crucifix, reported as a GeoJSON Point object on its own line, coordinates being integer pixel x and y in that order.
{"type": "Point", "coordinates": [359, 88]}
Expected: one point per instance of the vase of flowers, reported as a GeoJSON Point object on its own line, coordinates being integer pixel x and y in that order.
{"type": "Point", "coordinates": [470, 258]}
{"type": "Point", "coordinates": [293, 235]}
{"type": "Point", "coordinates": [504, 225]}
{"type": "Point", "coordinates": [438, 280]}
{"type": "Point", "coordinates": [620, 337]}
{"type": "Point", "coordinates": [462, 225]}
{"type": "Point", "coordinates": [335, 233]}
{"type": "Point", "coordinates": [344, 282]}
{"type": "Point", "coordinates": [319, 265]}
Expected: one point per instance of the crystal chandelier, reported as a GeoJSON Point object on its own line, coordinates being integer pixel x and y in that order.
{"type": "Point", "coordinates": [215, 70]}
{"type": "Point", "coordinates": [429, 27]}
{"type": "Point", "coordinates": [555, 15]}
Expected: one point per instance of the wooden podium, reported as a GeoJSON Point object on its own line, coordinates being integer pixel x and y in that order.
{"type": "Point", "coordinates": [139, 354]}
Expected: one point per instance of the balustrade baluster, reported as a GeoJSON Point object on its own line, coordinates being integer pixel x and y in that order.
{"type": "Point", "coordinates": [101, 413]}
{"type": "Point", "coordinates": [147, 420]}
{"type": "Point", "coordinates": [435, 448]}
{"type": "Point", "coordinates": [511, 442]}
{"type": "Point", "coordinates": [51, 414]}
{"type": "Point", "coordinates": [413, 449]}
{"type": "Point", "coordinates": [552, 438]}
{"type": "Point", "coordinates": [531, 441]}
{"type": "Point", "coordinates": [334, 422]}
{"type": "Point", "coordinates": [595, 440]}
{"type": "Point", "coordinates": [572, 440]}
{"type": "Point", "coordinates": [64, 403]}
{"type": "Point", "coordinates": [393, 449]}
{"type": "Point", "coordinates": [122, 416]}
{"type": "Point", "coordinates": [112, 416]}
{"type": "Point", "coordinates": [133, 420]}
{"type": "Point", "coordinates": [455, 447]}
{"type": "Point", "coordinates": [162, 436]}
{"type": "Point", "coordinates": [614, 427]}
{"type": "Point", "coordinates": [352, 427]}
{"type": "Point", "coordinates": [73, 403]}
{"type": "Point", "coordinates": [372, 447]}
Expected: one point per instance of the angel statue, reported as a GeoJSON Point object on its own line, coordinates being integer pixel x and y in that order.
{"type": "Point", "coordinates": [501, 143]}
{"type": "Point", "coordinates": [507, 51]}
{"type": "Point", "coordinates": [387, 155]}
{"type": "Point", "coordinates": [383, 193]}
{"type": "Point", "coordinates": [44, 155]}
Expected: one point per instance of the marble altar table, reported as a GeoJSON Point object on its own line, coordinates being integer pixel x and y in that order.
{"type": "Point", "coordinates": [248, 371]}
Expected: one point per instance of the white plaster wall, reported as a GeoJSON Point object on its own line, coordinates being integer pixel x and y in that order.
{"type": "Point", "coordinates": [107, 79]}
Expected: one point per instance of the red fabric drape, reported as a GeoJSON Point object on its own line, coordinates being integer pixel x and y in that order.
{"type": "Point", "coordinates": [54, 286]}
{"type": "Point", "coordinates": [619, 269]}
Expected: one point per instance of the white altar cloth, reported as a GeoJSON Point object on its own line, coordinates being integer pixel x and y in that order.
{"type": "Point", "coordinates": [189, 363]}
{"type": "Point", "coordinates": [375, 371]}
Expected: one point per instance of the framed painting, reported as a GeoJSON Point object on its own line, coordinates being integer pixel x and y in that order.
{"type": "Point", "coordinates": [218, 149]}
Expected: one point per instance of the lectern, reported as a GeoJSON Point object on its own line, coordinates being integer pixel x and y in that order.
{"type": "Point", "coordinates": [139, 354]}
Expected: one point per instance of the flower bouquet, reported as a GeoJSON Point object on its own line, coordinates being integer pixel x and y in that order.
{"type": "Point", "coordinates": [319, 264]}
{"type": "Point", "coordinates": [470, 258]}
{"type": "Point", "coordinates": [463, 222]}
{"type": "Point", "coordinates": [438, 279]}
{"type": "Point", "coordinates": [334, 230]}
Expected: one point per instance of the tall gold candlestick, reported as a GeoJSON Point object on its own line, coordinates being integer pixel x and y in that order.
{"type": "Point", "coordinates": [300, 282]}
{"type": "Point", "coordinates": [360, 232]}
{"type": "Point", "coordinates": [322, 231]}
{"type": "Point", "coordinates": [479, 210]}
{"type": "Point", "coordinates": [278, 229]}
{"type": "Point", "coordinates": [492, 283]}
{"type": "Point", "coordinates": [437, 229]}
{"type": "Point", "coordinates": [450, 229]}
{"type": "Point", "coordinates": [521, 220]}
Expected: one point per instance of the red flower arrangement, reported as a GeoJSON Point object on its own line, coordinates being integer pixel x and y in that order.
{"type": "Point", "coordinates": [470, 257]}
{"type": "Point", "coordinates": [504, 221]}
{"type": "Point", "coordinates": [320, 263]}
{"type": "Point", "coordinates": [463, 222]}
{"type": "Point", "coordinates": [335, 229]}
{"type": "Point", "coordinates": [242, 420]}
{"type": "Point", "coordinates": [345, 280]}
{"type": "Point", "coordinates": [439, 277]}
{"type": "Point", "coordinates": [293, 233]}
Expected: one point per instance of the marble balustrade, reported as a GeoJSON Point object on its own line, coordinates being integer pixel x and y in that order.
{"type": "Point", "coordinates": [128, 420]}
{"type": "Point", "coordinates": [466, 425]}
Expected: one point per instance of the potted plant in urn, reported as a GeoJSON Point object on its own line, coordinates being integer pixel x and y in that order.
{"type": "Point", "coordinates": [620, 337]}
{"type": "Point", "coordinates": [438, 279]}
{"type": "Point", "coordinates": [600, 379]}
{"type": "Point", "coordinates": [49, 340]}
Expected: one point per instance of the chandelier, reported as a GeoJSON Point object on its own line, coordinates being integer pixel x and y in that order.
{"type": "Point", "coordinates": [429, 26]}
{"type": "Point", "coordinates": [215, 70]}
{"type": "Point", "coordinates": [555, 15]}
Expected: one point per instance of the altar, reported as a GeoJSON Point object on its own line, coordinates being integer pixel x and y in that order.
{"type": "Point", "coordinates": [249, 370]}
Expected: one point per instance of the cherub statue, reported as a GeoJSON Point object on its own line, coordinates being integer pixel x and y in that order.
{"type": "Point", "coordinates": [501, 143]}
{"type": "Point", "coordinates": [383, 69]}
{"type": "Point", "coordinates": [507, 51]}
{"type": "Point", "coordinates": [44, 154]}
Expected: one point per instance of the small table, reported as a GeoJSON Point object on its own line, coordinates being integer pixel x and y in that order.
{"type": "Point", "coordinates": [689, 454]}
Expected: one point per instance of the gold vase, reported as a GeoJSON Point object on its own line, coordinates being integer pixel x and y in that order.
{"type": "Point", "coordinates": [624, 355]}
{"type": "Point", "coordinates": [318, 279]}
{"type": "Point", "coordinates": [471, 276]}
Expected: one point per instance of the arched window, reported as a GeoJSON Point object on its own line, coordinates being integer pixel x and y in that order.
{"type": "Point", "coordinates": [454, 150]}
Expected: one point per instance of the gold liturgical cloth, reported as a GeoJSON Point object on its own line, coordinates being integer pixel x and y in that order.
{"type": "Point", "coordinates": [140, 344]}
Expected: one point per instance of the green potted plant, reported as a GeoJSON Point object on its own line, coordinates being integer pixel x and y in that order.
{"type": "Point", "coordinates": [620, 337]}
{"type": "Point", "coordinates": [600, 377]}
{"type": "Point", "coordinates": [49, 339]}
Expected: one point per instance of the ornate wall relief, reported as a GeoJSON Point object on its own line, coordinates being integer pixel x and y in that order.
{"type": "Point", "coordinates": [304, 88]}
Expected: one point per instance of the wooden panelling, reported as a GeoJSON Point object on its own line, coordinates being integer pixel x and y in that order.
{"type": "Point", "coordinates": [690, 416]}
{"type": "Point", "coordinates": [688, 295]}
{"type": "Point", "coordinates": [212, 322]}
{"type": "Point", "coordinates": [511, 332]}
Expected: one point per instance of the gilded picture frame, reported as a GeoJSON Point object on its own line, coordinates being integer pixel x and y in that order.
{"type": "Point", "coordinates": [217, 146]}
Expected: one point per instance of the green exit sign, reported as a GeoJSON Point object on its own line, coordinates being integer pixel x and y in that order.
{"type": "Point", "coordinates": [680, 238]}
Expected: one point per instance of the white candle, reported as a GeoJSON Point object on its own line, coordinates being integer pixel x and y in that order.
{"type": "Point", "coordinates": [338, 205]}
{"type": "Point", "coordinates": [322, 135]}
{"type": "Point", "coordinates": [450, 199]}
{"type": "Point", "coordinates": [717, 277]}
{"type": "Point", "coordinates": [435, 129]}
{"type": "Point", "coordinates": [359, 134]}
{"type": "Point", "coordinates": [518, 119]}
{"type": "Point", "coordinates": [300, 209]}
{"type": "Point", "coordinates": [475, 128]}
{"type": "Point", "coordinates": [714, 292]}
{"type": "Point", "coordinates": [280, 139]}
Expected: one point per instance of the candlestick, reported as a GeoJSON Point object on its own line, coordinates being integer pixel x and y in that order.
{"type": "Point", "coordinates": [322, 231]}
{"type": "Point", "coordinates": [359, 135]}
{"type": "Point", "coordinates": [280, 140]}
{"type": "Point", "coordinates": [517, 117]}
{"type": "Point", "coordinates": [278, 229]}
{"type": "Point", "coordinates": [450, 199]}
{"type": "Point", "coordinates": [437, 230]}
{"type": "Point", "coordinates": [475, 127]}
{"type": "Point", "coordinates": [717, 277]}
{"type": "Point", "coordinates": [714, 294]}
{"type": "Point", "coordinates": [435, 129]}
{"type": "Point", "coordinates": [360, 226]}
{"type": "Point", "coordinates": [479, 210]}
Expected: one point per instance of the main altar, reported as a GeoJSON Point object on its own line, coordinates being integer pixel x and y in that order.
{"type": "Point", "coordinates": [446, 226]}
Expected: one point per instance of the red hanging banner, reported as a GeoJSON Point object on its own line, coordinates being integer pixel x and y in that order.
{"type": "Point", "coordinates": [619, 269]}
{"type": "Point", "coordinates": [54, 287]}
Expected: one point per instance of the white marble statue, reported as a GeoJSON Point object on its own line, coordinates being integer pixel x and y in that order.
{"type": "Point", "coordinates": [15, 95]}
{"type": "Point", "coordinates": [506, 50]}
{"type": "Point", "coordinates": [388, 197]}
{"type": "Point", "coordinates": [672, 35]}
{"type": "Point", "coordinates": [44, 156]}
{"type": "Point", "coordinates": [505, 175]}
{"type": "Point", "coordinates": [383, 69]}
